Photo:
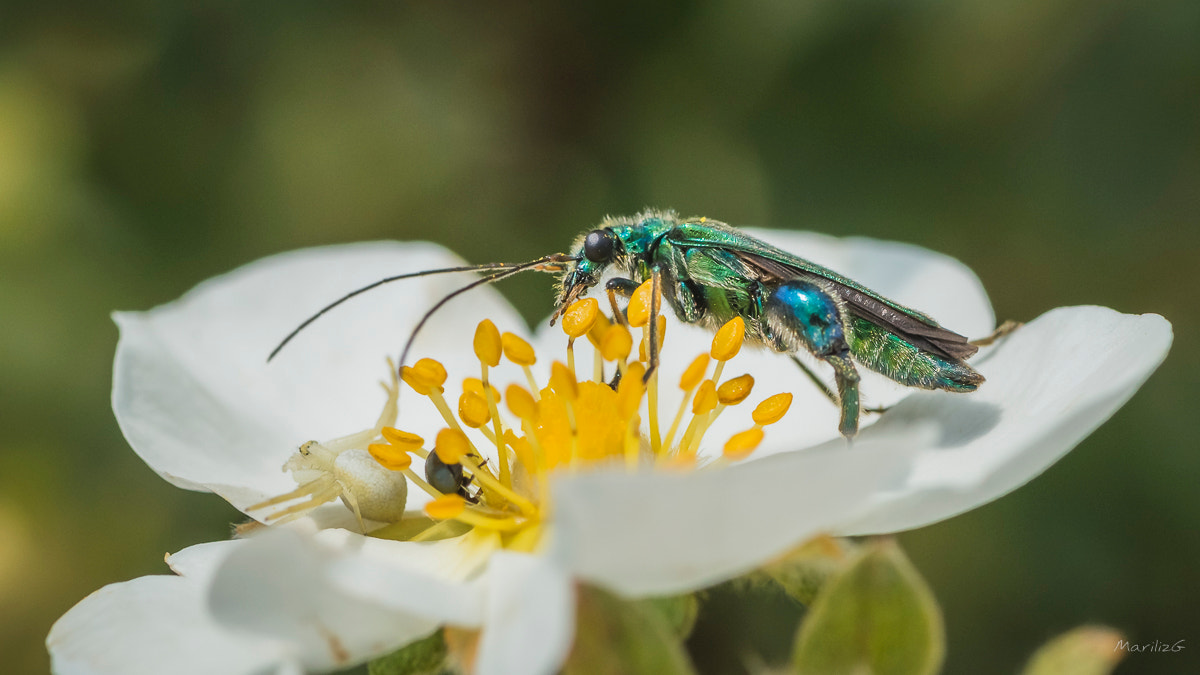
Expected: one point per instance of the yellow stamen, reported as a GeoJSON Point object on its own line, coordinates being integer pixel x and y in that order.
{"type": "Point", "coordinates": [662, 334]}
{"type": "Point", "coordinates": [451, 446]}
{"type": "Point", "coordinates": [491, 396]}
{"type": "Point", "coordinates": [424, 376]}
{"type": "Point", "coordinates": [733, 392]}
{"type": "Point", "coordinates": [772, 409]}
{"type": "Point", "coordinates": [630, 390]}
{"type": "Point", "coordinates": [488, 345]}
{"type": "Point", "coordinates": [639, 304]}
{"type": "Point", "coordinates": [506, 524]}
{"type": "Point", "coordinates": [580, 317]}
{"type": "Point", "coordinates": [728, 340]}
{"type": "Point", "coordinates": [563, 382]}
{"type": "Point", "coordinates": [475, 385]}
{"type": "Point", "coordinates": [687, 382]}
{"type": "Point", "coordinates": [473, 410]}
{"type": "Point", "coordinates": [694, 373]}
{"type": "Point", "coordinates": [446, 507]}
{"type": "Point", "coordinates": [616, 344]}
{"type": "Point", "coordinates": [489, 482]}
{"type": "Point", "coordinates": [521, 403]}
{"type": "Point", "coordinates": [740, 445]}
{"type": "Point", "coordinates": [402, 439]}
{"type": "Point", "coordinates": [596, 333]}
{"type": "Point", "coordinates": [652, 413]}
{"type": "Point", "coordinates": [518, 350]}
{"type": "Point", "coordinates": [706, 398]}
{"type": "Point", "coordinates": [390, 457]}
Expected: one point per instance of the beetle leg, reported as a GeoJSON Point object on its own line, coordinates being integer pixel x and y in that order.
{"type": "Point", "coordinates": [824, 388]}
{"type": "Point", "coordinates": [847, 383]}
{"type": "Point", "coordinates": [655, 307]}
{"type": "Point", "coordinates": [1003, 330]}
{"type": "Point", "coordinates": [816, 380]}
{"type": "Point", "coordinates": [625, 287]}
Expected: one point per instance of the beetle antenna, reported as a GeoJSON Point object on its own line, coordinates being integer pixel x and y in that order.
{"type": "Point", "coordinates": [550, 263]}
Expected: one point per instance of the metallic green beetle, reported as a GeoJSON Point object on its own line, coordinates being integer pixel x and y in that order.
{"type": "Point", "coordinates": [709, 272]}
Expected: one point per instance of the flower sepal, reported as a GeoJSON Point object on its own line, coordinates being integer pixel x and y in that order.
{"type": "Point", "coordinates": [619, 636]}
{"type": "Point", "coordinates": [877, 615]}
{"type": "Point", "coordinates": [804, 570]}
{"type": "Point", "coordinates": [427, 656]}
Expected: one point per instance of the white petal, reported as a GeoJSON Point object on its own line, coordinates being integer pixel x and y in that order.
{"type": "Point", "coordinates": [426, 579]}
{"type": "Point", "coordinates": [158, 624]}
{"type": "Point", "coordinates": [196, 399]}
{"type": "Point", "coordinates": [282, 585]}
{"type": "Point", "coordinates": [663, 532]}
{"type": "Point", "coordinates": [1048, 386]}
{"type": "Point", "coordinates": [530, 616]}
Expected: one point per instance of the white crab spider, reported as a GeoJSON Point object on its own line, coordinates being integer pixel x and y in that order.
{"type": "Point", "coordinates": [344, 468]}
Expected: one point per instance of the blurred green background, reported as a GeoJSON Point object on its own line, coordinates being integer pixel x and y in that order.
{"type": "Point", "coordinates": [1051, 145]}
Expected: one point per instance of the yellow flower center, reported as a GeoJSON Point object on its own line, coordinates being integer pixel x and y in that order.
{"type": "Point", "coordinates": [573, 421]}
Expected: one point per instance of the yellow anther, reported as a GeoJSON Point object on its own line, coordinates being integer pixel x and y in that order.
{"type": "Point", "coordinates": [424, 376]}
{"type": "Point", "coordinates": [706, 398]}
{"type": "Point", "coordinates": [616, 343]}
{"type": "Point", "coordinates": [402, 439]}
{"type": "Point", "coordinates": [580, 317]}
{"type": "Point", "coordinates": [694, 372]}
{"type": "Point", "coordinates": [488, 346]}
{"type": "Point", "coordinates": [390, 457]}
{"type": "Point", "coordinates": [563, 381]}
{"type": "Point", "coordinates": [742, 444]}
{"type": "Point", "coordinates": [446, 507]}
{"type": "Point", "coordinates": [451, 446]}
{"type": "Point", "coordinates": [518, 350]}
{"type": "Point", "coordinates": [473, 409]}
{"type": "Point", "coordinates": [520, 402]}
{"type": "Point", "coordinates": [772, 409]}
{"type": "Point", "coordinates": [475, 386]}
{"type": "Point", "coordinates": [728, 340]}
{"type": "Point", "coordinates": [630, 390]}
{"type": "Point", "coordinates": [734, 391]}
{"type": "Point", "coordinates": [596, 333]}
{"type": "Point", "coordinates": [523, 449]}
{"type": "Point", "coordinates": [639, 304]}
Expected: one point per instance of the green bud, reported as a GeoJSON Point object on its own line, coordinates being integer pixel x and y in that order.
{"type": "Point", "coordinates": [679, 611]}
{"type": "Point", "coordinates": [803, 570]}
{"type": "Point", "coordinates": [1087, 650]}
{"type": "Point", "coordinates": [426, 656]}
{"type": "Point", "coordinates": [619, 637]}
{"type": "Point", "coordinates": [876, 616]}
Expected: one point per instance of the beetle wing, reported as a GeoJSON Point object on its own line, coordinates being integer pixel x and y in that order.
{"type": "Point", "coordinates": [771, 264]}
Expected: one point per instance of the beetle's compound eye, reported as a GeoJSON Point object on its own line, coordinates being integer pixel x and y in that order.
{"type": "Point", "coordinates": [598, 246]}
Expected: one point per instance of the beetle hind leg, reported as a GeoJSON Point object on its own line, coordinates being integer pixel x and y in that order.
{"type": "Point", "coordinates": [800, 314]}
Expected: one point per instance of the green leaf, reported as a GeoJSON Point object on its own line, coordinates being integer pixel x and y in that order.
{"type": "Point", "coordinates": [805, 569]}
{"type": "Point", "coordinates": [679, 612]}
{"type": "Point", "coordinates": [426, 656]}
{"type": "Point", "coordinates": [1087, 650]}
{"type": "Point", "coordinates": [619, 637]}
{"type": "Point", "coordinates": [875, 617]}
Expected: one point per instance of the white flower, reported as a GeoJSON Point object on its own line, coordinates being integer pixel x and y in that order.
{"type": "Point", "coordinates": [198, 403]}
